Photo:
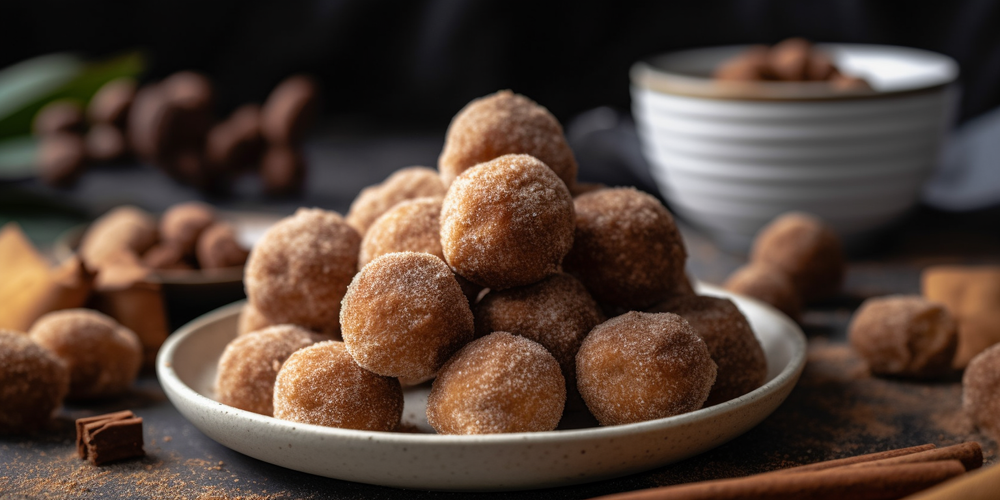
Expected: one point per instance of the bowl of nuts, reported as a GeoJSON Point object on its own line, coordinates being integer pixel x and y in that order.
{"type": "Point", "coordinates": [737, 135]}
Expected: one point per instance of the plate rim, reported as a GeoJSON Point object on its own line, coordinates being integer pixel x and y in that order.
{"type": "Point", "coordinates": [172, 383]}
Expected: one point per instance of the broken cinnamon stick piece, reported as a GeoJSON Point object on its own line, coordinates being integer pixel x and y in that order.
{"type": "Point", "coordinates": [111, 437]}
{"type": "Point", "coordinates": [871, 457]}
{"type": "Point", "coordinates": [866, 483]}
{"type": "Point", "coordinates": [970, 454]}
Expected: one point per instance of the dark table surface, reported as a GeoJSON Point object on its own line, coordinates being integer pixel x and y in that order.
{"type": "Point", "coordinates": [837, 409]}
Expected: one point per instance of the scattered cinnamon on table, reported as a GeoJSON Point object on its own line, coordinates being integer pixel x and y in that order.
{"type": "Point", "coordinates": [888, 475]}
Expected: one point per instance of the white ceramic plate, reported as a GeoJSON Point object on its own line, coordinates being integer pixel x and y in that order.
{"type": "Point", "coordinates": [186, 368]}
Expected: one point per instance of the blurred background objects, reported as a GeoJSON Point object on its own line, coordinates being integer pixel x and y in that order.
{"type": "Point", "coordinates": [393, 73]}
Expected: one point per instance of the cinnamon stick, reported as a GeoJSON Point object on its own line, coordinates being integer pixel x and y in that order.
{"type": "Point", "coordinates": [970, 454]}
{"type": "Point", "coordinates": [871, 457]}
{"type": "Point", "coordinates": [871, 483]}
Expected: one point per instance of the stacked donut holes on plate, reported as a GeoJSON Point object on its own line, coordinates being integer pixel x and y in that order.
{"type": "Point", "coordinates": [489, 278]}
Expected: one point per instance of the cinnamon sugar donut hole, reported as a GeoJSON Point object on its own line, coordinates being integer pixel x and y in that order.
{"type": "Point", "coordinates": [322, 385]}
{"type": "Point", "coordinates": [643, 366]}
{"type": "Point", "coordinates": [739, 358]}
{"type": "Point", "coordinates": [410, 226]}
{"type": "Point", "coordinates": [556, 312]}
{"type": "Point", "coordinates": [250, 363]}
{"type": "Point", "coordinates": [904, 335]}
{"type": "Point", "coordinates": [299, 270]}
{"type": "Point", "coordinates": [627, 250]}
{"type": "Point", "coordinates": [218, 247]}
{"type": "Point", "coordinates": [805, 249]}
{"type": "Point", "coordinates": [33, 383]}
{"type": "Point", "coordinates": [767, 284]}
{"type": "Point", "coordinates": [251, 320]}
{"type": "Point", "coordinates": [981, 391]}
{"type": "Point", "coordinates": [404, 315]}
{"type": "Point", "coordinates": [164, 256]}
{"type": "Point", "coordinates": [181, 224]}
{"type": "Point", "coordinates": [404, 184]}
{"type": "Point", "coordinates": [102, 356]}
{"type": "Point", "coordinates": [125, 228]}
{"type": "Point", "coordinates": [495, 384]}
{"type": "Point", "coordinates": [507, 222]}
{"type": "Point", "coordinates": [501, 124]}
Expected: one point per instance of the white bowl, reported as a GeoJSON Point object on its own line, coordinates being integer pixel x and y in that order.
{"type": "Point", "coordinates": [186, 367]}
{"type": "Point", "coordinates": [731, 156]}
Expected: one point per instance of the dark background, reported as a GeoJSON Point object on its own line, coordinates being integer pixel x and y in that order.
{"type": "Point", "coordinates": [390, 64]}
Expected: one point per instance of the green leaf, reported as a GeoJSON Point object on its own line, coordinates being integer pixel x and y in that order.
{"type": "Point", "coordinates": [27, 86]}
{"type": "Point", "coordinates": [17, 157]}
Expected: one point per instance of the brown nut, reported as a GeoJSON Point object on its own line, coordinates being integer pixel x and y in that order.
{"type": "Point", "coordinates": [750, 65]}
{"type": "Point", "coordinates": [105, 143]}
{"type": "Point", "coordinates": [148, 105]}
{"type": "Point", "coordinates": [847, 83]}
{"type": "Point", "coordinates": [62, 157]}
{"type": "Point", "coordinates": [788, 59]}
{"type": "Point", "coordinates": [189, 90]}
{"type": "Point", "coordinates": [236, 143]}
{"type": "Point", "coordinates": [283, 171]}
{"type": "Point", "coordinates": [819, 66]}
{"type": "Point", "coordinates": [289, 110]}
{"type": "Point", "coordinates": [110, 105]}
{"type": "Point", "coordinates": [63, 115]}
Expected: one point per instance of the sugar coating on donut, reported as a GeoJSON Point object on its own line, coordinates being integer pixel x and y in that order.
{"type": "Point", "coordinates": [739, 357]}
{"type": "Point", "coordinates": [767, 284]}
{"type": "Point", "coordinates": [806, 249]}
{"type": "Point", "coordinates": [299, 270]}
{"type": "Point", "coordinates": [125, 228]}
{"type": "Point", "coordinates": [322, 385]}
{"type": "Point", "coordinates": [33, 383]}
{"type": "Point", "coordinates": [556, 312]}
{"type": "Point", "coordinates": [904, 335]}
{"type": "Point", "coordinates": [643, 366]}
{"type": "Point", "coordinates": [250, 363]}
{"type": "Point", "coordinates": [251, 320]}
{"type": "Point", "coordinates": [404, 184]}
{"type": "Point", "coordinates": [181, 224]}
{"type": "Point", "coordinates": [410, 226]}
{"type": "Point", "coordinates": [102, 356]}
{"type": "Point", "coordinates": [498, 383]}
{"type": "Point", "coordinates": [981, 391]}
{"type": "Point", "coordinates": [627, 250]}
{"type": "Point", "coordinates": [404, 315]}
{"type": "Point", "coordinates": [500, 124]}
{"type": "Point", "coordinates": [507, 222]}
